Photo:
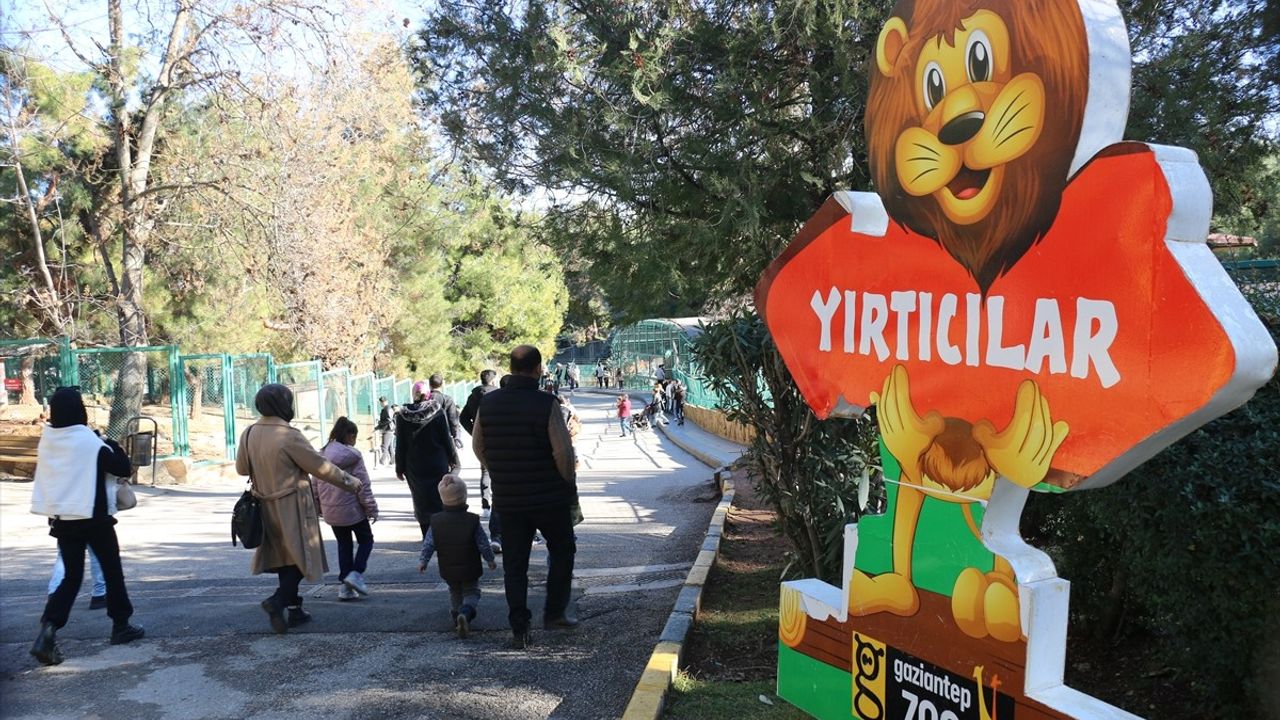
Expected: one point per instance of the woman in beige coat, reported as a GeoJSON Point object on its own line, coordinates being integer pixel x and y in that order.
{"type": "Point", "coordinates": [281, 462]}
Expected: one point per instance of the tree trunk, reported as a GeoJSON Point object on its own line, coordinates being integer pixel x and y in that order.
{"type": "Point", "coordinates": [28, 370]}
{"type": "Point", "coordinates": [132, 377]}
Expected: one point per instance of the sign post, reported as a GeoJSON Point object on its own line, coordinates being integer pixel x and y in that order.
{"type": "Point", "coordinates": [1030, 305]}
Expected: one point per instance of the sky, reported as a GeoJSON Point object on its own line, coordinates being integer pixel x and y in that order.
{"type": "Point", "coordinates": [28, 24]}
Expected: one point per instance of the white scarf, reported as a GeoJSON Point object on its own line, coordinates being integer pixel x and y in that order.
{"type": "Point", "coordinates": [67, 473]}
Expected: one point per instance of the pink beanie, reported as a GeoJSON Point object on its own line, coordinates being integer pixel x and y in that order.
{"type": "Point", "coordinates": [420, 389]}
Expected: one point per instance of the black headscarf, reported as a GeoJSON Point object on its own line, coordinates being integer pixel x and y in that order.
{"type": "Point", "coordinates": [275, 400]}
{"type": "Point", "coordinates": [66, 408]}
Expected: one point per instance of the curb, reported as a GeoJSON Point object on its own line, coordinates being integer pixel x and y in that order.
{"type": "Point", "coordinates": [651, 691]}
{"type": "Point", "coordinates": [703, 456]}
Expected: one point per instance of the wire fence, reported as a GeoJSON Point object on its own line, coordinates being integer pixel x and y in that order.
{"type": "Point", "coordinates": [1259, 281]}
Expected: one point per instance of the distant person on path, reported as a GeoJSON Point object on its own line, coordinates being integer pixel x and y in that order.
{"type": "Point", "coordinates": [624, 413]}
{"type": "Point", "coordinates": [600, 375]}
{"type": "Point", "coordinates": [661, 373]}
{"type": "Point", "coordinates": [618, 377]}
{"type": "Point", "coordinates": [386, 433]}
{"type": "Point", "coordinates": [468, 419]}
{"type": "Point", "coordinates": [425, 451]}
{"type": "Point", "coordinates": [70, 488]}
{"type": "Point", "coordinates": [456, 534]}
{"type": "Point", "coordinates": [348, 514]}
{"type": "Point", "coordinates": [521, 436]}
{"type": "Point", "coordinates": [575, 376]}
{"type": "Point", "coordinates": [98, 598]}
{"type": "Point", "coordinates": [450, 409]}
{"type": "Point", "coordinates": [281, 464]}
{"type": "Point", "coordinates": [677, 401]}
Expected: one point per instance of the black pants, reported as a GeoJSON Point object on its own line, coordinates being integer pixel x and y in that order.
{"type": "Point", "coordinates": [73, 537]}
{"type": "Point", "coordinates": [486, 500]}
{"type": "Point", "coordinates": [426, 501]}
{"type": "Point", "coordinates": [286, 594]}
{"type": "Point", "coordinates": [359, 560]}
{"type": "Point", "coordinates": [517, 539]}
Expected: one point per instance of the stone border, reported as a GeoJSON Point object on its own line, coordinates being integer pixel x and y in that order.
{"type": "Point", "coordinates": [651, 692]}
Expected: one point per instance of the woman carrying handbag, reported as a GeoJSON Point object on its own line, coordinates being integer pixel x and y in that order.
{"type": "Point", "coordinates": [281, 463]}
{"type": "Point", "coordinates": [71, 488]}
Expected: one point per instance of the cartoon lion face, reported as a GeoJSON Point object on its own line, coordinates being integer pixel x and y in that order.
{"type": "Point", "coordinates": [973, 118]}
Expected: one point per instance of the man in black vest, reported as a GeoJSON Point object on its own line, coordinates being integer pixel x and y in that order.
{"type": "Point", "coordinates": [521, 436]}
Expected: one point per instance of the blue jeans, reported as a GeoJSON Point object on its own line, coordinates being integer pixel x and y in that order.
{"type": "Point", "coordinates": [95, 568]}
{"type": "Point", "coordinates": [624, 423]}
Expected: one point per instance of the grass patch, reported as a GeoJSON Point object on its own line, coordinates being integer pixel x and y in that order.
{"type": "Point", "coordinates": [731, 656]}
{"type": "Point", "coordinates": [721, 700]}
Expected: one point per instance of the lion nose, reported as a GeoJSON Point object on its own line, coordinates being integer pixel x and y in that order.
{"type": "Point", "coordinates": [961, 128]}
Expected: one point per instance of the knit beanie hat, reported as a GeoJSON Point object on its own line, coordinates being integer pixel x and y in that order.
{"type": "Point", "coordinates": [453, 491]}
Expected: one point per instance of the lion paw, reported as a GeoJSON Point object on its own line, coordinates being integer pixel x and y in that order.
{"type": "Point", "coordinates": [986, 605]}
{"type": "Point", "coordinates": [886, 592]}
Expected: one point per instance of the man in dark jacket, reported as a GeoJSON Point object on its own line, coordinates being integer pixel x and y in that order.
{"type": "Point", "coordinates": [521, 436]}
{"type": "Point", "coordinates": [468, 419]}
{"type": "Point", "coordinates": [450, 409]}
{"type": "Point", "coordinates": [424, 452]}
{"type": "Point", "coordinates": [386, 433]}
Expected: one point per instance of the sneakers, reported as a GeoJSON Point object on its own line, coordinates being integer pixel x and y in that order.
{"type": "Point", "coordinates": [355, 581]}
{"type": "Point", "coordinates": [126, 633]}
{"type": "Point", "coordinates": [275, 615]}
{"type": "Point", "coordinates": [45, 648]}
{"type": "Point", "coordinates": [463, 625]}
{"type": "Point", "coordinates": [346, 594]}
{"type": "Point", "coordinates": [97, 602]}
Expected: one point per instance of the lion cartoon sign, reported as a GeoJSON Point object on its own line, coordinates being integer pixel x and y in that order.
{"type": "Point", "coordinates": [1030, 304]}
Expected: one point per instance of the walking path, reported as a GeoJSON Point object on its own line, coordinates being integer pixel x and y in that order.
{"type": "Point", "coordinates": [210, 654]}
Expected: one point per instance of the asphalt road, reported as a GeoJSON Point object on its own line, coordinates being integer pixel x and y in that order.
{"type": "Point", "coordinates": [210, 654]}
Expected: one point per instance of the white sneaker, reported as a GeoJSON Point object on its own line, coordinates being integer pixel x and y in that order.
{"type": "Point", "coordinates": [345, 593]}
{"type": "Point", "coordinates": [355, 581]}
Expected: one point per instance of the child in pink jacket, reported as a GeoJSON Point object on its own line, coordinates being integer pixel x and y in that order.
{"type": "Point", "coordinates": [348, 514]}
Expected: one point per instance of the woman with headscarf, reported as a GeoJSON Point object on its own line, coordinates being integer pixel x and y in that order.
{"type": "Point", "coordinates": [70, 487]}
{"type": "Point", "coordinates": [425, 452]}
{"type": "Point", "coordinates": [281, 463]}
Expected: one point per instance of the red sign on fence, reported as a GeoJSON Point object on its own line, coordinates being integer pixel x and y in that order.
{"type": "Point", "coordinates": [13, 384]}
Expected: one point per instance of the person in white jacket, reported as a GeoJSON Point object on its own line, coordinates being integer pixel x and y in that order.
{"type": "Point", "coordinates": [70, 487]}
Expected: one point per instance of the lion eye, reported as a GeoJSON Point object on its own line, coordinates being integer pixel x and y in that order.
{"type": "Point", "coordinates": [978, 56]}
{"type": "Point", "coordinates": [934, 85]}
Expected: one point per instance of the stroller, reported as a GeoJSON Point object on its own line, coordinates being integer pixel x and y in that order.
{"type": "Point", "coordinates": [640, 420]}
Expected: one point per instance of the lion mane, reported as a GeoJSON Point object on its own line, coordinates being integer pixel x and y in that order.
{"type": "Point", "coordinates": [1046, 37]}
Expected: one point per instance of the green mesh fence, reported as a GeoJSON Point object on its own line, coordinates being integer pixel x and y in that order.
{"type": "Point", "coordinates": [364, 404]}
{"type": "Point", "coordinates": [207, 404]}
{"type": "Point", "coordinates": [404, 388]}
{"type": "Point", "coordinates": [305, 379]}
{"type": "Point", "coordinates": [337, 399]}
{"type": "Point", "coordinates": [385, 387]}
{"type": "Point", "coordinates": [1259, 281]}
{"type": "Point", "coordinates": [249, 372]}
{"type": "Point", "coordinates": [119, 383]}
{"type": "Point", "coordinates": [32, 369]}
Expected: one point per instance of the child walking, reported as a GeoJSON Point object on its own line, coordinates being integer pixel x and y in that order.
{"type": "Point", "coordinates": [348, 514]}
{"type": "Point", "coordinates": [461, 541]}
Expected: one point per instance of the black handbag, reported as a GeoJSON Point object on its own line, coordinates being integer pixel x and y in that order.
{"type": "Point", "coordinates": [246, 517]}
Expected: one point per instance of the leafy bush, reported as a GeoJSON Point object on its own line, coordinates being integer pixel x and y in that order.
{"type": "Point", "coordinates": [1185, 548]}
{"type": "Point", "coordinates": [807, 470]}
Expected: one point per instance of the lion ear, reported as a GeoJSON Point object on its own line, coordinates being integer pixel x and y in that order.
{"type": "Point", "coordinates": [893, 38]}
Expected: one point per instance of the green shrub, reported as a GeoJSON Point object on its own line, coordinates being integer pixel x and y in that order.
{"type": "Point", "coordinates": [808, 470]}
{"type": "Point", "coordinates": [1185, 548]}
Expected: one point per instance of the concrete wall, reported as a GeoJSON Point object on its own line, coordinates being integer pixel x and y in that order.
{"type": "Point", "coordinates": [714, 421]}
